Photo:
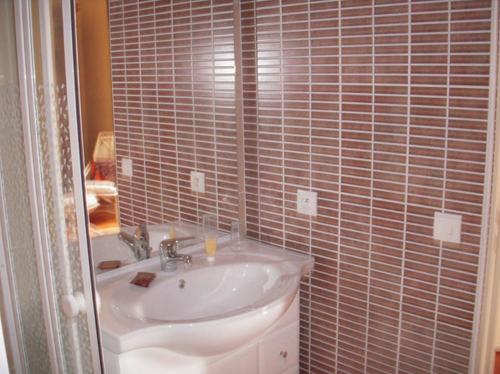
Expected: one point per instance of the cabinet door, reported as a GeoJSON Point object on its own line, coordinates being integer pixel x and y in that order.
{"type": "Point", "coordinates": [242, 362]}
{"type": "Point", "coordinates": [280, 351]}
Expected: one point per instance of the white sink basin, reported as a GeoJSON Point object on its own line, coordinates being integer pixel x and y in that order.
{"type": "Point", "coordinates": [208, 293]}
{"type": "Point", "coordinates": [201, 309]}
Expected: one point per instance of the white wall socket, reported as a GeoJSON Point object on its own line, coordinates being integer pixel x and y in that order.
{"type": "Point", "coordinates": [127, 167]}
{"type": "Point", "coordinates": [447, 227]}
{"type": "Point", "coordinates": [197, 182]}
{"type": "Point", "coordinates": [307, 202]}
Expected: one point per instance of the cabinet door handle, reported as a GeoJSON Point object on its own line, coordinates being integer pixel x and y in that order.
{"type": "Point", "coordinates": [284, 354]}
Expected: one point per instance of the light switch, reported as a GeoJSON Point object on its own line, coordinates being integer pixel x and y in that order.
{"type": "Point", "coordinates": [307, 202]}
{"type": "Point", "coordinates": [447, 227]}
{"type": "Point", "coordinates": [127, 167]}
{"type": "Point", "coordinates": [197, 182]}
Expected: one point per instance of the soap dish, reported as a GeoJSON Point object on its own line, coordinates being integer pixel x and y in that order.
{"type": "Point", "coordinates": [143, 279]}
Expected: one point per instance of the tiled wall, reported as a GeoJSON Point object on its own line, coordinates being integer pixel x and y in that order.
{"type": "Point", "coordinates": [378, 105]}
{"type": "Point", "coordinates": [381, 107]}
{"type": "Point", "coordinates": [173, 107]}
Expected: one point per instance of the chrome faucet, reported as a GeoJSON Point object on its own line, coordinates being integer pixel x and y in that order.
{"type": "Point", "coordinates": [138, 243]}
{"type": "Point", "coordinates": [169, 256]}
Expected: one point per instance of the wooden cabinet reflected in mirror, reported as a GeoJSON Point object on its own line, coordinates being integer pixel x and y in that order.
{"type": "Point", "coordinates": [100, 186]}
{"type": "Point", "coordinates": [97, 116]}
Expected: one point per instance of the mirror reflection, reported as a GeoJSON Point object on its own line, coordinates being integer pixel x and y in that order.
{"type": "Point", "coordinates": [158, 121]}
{"type": "Point", "coordinates": [95, 88]}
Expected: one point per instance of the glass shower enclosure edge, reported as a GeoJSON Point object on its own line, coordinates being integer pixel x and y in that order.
{"type": "Point", "coordinates": [44, 161]}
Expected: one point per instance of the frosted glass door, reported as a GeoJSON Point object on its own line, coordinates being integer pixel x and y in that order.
{"type": "Point", "coordinates": [47, 44]}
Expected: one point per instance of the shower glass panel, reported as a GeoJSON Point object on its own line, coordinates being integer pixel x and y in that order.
{"type": "Point", "coordinates": [46, 104]}
{"type": "Point", "coordinates": [21, 303]}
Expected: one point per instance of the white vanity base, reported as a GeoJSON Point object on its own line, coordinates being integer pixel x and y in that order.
{"type": "Point", "coordinates": [276, 352]}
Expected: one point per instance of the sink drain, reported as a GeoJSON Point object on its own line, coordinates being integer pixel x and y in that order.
{"type": "Point", "coordinates": [182, 283]}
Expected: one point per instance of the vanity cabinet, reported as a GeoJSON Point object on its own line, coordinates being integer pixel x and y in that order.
{"type": "Point", "coordinates": [279, 351]}
{"type": "Point", "coordinates": [276, 352]}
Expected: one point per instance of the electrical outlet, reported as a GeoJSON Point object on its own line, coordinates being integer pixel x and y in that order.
{"type": "Point", "coordinates": [197, 182]}
{"type": "Point", "coordinates": [127, 167]}
{"type": "Point", "coordinates": [447, 227]}
{"type": "Point", "coordinates": [307, 202]}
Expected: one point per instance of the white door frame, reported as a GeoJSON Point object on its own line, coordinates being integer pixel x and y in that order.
{"type": "Point", "coordinates": [486, 312]}
{"type": "Point", "coordinates": [489, 312]}
{"type": "Point", "coordinates": [88, 276]}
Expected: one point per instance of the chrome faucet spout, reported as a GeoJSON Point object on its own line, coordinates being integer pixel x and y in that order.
{"type": "Point", "coordinates": [127, 238]}
{"type": "Point", "coordinates": [169, 256]}
{"type": "Point", "coordinates": [138, 243]}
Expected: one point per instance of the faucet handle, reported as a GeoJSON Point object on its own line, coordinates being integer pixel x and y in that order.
{"type": "Point", "coordinates": [171, 245]}
{"type": "Point", "coordinates": [183, 239]}
{"type": "Point", "coordinates": [141, 232]}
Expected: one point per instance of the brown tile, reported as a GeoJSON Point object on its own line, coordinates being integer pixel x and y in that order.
{"type": "Point", "coordinates": [360, 155]}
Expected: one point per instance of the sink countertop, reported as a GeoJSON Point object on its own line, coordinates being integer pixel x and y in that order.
{"type": "Point", "coordinates": [225, 249]}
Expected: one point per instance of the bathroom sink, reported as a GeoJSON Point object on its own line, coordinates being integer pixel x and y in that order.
{"type": "Point", "coordinates": [202, 309]}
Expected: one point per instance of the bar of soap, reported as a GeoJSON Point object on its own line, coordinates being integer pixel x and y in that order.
{"type": "Point", "coordinates": [108, 265]}
{"type": "Point", "coordinates": [143, 279]}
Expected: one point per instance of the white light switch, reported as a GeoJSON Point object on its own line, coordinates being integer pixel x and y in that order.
{"type": "Point", "coordinates": [447, 227]}
{"type": "Point", "coordinates": [197, 182]}
{"type": "Point", "coordinates": [307, 202]}
{"type": "Point", "coordinates": [127, 168]}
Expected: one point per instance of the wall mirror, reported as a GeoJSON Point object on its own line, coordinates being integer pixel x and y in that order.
{"type": "Point", "coordinates": [157, 93]}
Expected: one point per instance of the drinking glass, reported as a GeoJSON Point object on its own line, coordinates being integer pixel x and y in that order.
{"type": "Point", "coordinates": [236, 235]}
{"type": "Point", "coordinates": [210, 235]}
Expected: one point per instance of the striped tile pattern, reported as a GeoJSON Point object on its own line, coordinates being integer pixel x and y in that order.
{"type": "Point", "coordinates": [381, 107]}
{"type": "Point", "coordinates": [173, 103]}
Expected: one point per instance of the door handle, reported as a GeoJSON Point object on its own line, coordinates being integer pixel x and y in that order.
{"type": "Point", "coordinates": [73, 305]}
